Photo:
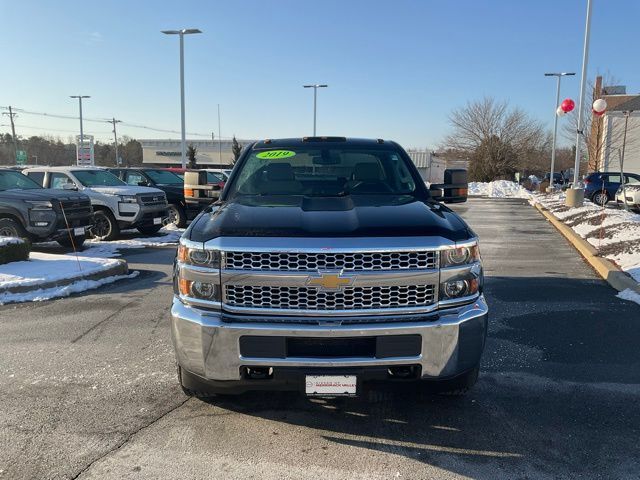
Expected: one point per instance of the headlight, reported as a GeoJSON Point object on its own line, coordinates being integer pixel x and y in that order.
{"type": "Point", "coordinates": [39, 204]}
{"type": "Point", "coordinates": [128, 198]}
{"type": "Point", "coordinates": [460, 288]}
{"type": "Point", "coordinates": [199, 257]}
{"type": "Point", "coordinates": [453, 257]}
{"type": "Point", "coordinates": [199, 290]}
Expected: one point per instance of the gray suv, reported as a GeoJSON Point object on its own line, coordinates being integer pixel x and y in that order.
{"type": "Point", "coordinates": [38, 214]}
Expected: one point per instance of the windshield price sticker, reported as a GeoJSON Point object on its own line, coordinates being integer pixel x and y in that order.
{"type": "Point", "coordinates": [276, 154]}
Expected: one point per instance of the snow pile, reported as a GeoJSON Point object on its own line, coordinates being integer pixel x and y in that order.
{"type": "Point", "coordinates": [629, 295]}
{"type": "Point", "coordinates": [613, 232]}
{"type": "Point", "coordinates": [40, 294]}
{"type": "Point", "coordinates": [498, 189]}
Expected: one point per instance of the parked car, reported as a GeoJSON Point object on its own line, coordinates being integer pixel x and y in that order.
{"type": "Point", "coordinates": [116, 205]}
{"type": "Point", "coordinates": [558, 179]}
{"type": "Point", "coordinates": [328, 263]}
{"type": "Point", "coordinates": [169, 182]}
{"type": "Point", "coordinates": [202, 191]}
{"type": "Point", "coordinates": [29, 211]}
{"type": "Point", "coordinates": [630, 195]}
{"type": "Point", "coordinates": [601, 187]}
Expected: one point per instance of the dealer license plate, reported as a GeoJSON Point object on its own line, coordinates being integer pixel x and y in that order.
{"type": "Point", "coordinates": [330, 385]}
{"type": "Point", "coordinates": [157, 221]}
{"type": "Point", "coordinates": [78, 231]}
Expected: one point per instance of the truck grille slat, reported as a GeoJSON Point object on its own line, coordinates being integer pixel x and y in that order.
{"type": "Point", "coordinates": [283, 261]}
{"type": "Point", "coordinates": [309, 298]}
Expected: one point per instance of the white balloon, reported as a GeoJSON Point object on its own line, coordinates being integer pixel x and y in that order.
{"type": "Point", "coordinates": [560, 112]}
{"type": "Point", "coordinates": [600, 105]}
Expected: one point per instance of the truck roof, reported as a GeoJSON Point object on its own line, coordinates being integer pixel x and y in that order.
{"type": "Point", "coordinates": [317, 141]}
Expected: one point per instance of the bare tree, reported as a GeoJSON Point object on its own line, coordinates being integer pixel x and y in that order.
{"type": "Point", "coordinates": [597, 144]}
{"type": "Point", "coordinates": [499, 140]}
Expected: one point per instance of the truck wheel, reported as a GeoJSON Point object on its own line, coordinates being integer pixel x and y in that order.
{"type": "Point", "coordinates": [149, 229]}
{"type": "Point", "coordinates": [11, 228]}
{"type": "Point", "coordinates": [177, 216]}
{"type": "Point", "coordinates": [77, 241]}
{"type": "Point", "coordinates": [105, 226]}
{"type": "Point", "coordinates": [460, 385]}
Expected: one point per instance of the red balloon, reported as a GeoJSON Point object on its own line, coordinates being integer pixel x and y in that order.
{"type": "Point", "coordinates": [567, 105]}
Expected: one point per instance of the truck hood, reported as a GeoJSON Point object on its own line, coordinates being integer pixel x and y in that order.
{"type": "Point", "coordinates": [351, 216]}
{"type": "Point", "coordinates": [42, 194]}
{"type": "Point", "coordinates": [126, 190]}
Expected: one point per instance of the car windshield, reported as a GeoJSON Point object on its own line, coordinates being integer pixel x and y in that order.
{"type": "Point", "coordinates": [324, 171]}
{"type": "Point", "coordinates": [10, 180]}
{"type": "Point", "coordinates": [97, 178]}
{"type": "Point", "coordinates": [214, 177]}
{"type": "Point", "coordinates": [164, 177]}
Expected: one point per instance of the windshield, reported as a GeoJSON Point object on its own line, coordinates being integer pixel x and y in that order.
{"type": "Point", "coordinates": [215, 177]}
{"type": "Point", "coordinates": [16, 181]}
{"type": "Point", "coordinates": [97, 178]}
{"type": "Point", "coordinates": [324, 171]}
{"type": "Point", "coordinates": [164, 177]}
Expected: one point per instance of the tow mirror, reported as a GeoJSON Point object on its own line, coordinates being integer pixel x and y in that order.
{"type": "Point", "coordinates": [454, 189]}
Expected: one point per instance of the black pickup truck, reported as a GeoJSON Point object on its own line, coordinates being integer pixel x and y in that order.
{"type": "Point", "coordinates": [328, 263]}
{"type": "Point", "coordinates": [39, 214]}
{"type": "Point", "coordinates": [171, 184]}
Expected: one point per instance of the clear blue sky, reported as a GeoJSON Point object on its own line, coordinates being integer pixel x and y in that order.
{"type": "Point", "coordinates": [395, 69]}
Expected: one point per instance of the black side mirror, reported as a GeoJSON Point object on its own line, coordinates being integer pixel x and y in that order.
{"type": "Point", "coordinates": [143, 183]}
{"type": "Point", "coordinates": [454, 189]}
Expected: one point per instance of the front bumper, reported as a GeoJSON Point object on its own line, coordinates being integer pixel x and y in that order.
{"type": "Point", "coordinates": [136, 215]}
{"type": "Point", "coordinates": [452, 341]}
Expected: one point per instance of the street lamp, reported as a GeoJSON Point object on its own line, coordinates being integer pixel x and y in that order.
{"type": "Point", "coordinates": [80, 97]}
{"type": "Point", "coordinates": [555, 122]}
{"type": "Point", "coordinates": [315, 102]}
{"type": "Point", "coordinates": [575, 195]}
{"type": "Point", "coordinates": [182, 33]}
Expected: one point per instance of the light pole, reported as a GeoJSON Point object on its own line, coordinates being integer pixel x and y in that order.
{"type": "Point", "coordinates": [555, 123]}
{"type": "Point", "coordinates": [182, 33]}
{"type": "Point", "coordinates": [315, 102]}
{"type": "Point", "coordinates": [80, 97]}
{"type": "Point", "coordinates": [575, 195]}
{"type": "Point", "coordinates": [115, 139]}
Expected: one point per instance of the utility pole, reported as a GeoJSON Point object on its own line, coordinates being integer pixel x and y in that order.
{"type": "Point", "coordinates": [11, 114]}
{"type": "Point", "coordinates": [555, 124]}
{"type": "Point", "coordinates": [219, 139]}
{"type": "Point", "coordinates": [115, 139]}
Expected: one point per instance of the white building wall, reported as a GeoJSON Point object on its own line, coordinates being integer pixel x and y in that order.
{"type": "Point", "coordinates": [613, 135]}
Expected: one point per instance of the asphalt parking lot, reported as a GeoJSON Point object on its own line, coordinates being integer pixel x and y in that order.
{"type": "Point", "coordinates": [89, 389]}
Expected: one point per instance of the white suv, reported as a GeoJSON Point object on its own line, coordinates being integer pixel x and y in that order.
{"type": "Point", "coordinates": [116, 204]}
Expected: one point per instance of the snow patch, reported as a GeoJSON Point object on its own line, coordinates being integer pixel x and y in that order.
{"type": "Point", "coordinates": [498, 189]}
{"type": "Point", "coordinates": [64, 291]}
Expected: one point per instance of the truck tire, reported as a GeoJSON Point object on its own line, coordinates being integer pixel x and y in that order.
{"type": "Point", "coordinates": [459, 385]}
{"type": "Point", "coordinates": [149, 229]}
{"type": "Point", "coordinates": [12, 228]}
{"type": "Point", "coordinates": [177, 216]}
{"type": "Point", "coordinates": [77, 241]}
{"type": "Point", "coordinates": [105, 226]}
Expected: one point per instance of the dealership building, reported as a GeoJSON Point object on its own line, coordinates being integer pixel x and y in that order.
{"type": "Point", "coordinates": [167, 153]}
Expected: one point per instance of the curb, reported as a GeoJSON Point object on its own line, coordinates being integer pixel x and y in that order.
{"type": "Point", "coordinates": [122, 268]}
{"type": "Point", "coordinates": [608, 270]}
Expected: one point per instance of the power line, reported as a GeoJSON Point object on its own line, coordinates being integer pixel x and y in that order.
{"type": "Point", "coordinates": [98, 120]}
{"type": "Point", "coordinates": [31, 127]}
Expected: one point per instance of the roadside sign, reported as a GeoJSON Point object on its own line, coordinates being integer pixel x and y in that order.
{"type": "Point", "coordinates": [84, 151]}
{"type": "Point", "coordinates": [21, 157]}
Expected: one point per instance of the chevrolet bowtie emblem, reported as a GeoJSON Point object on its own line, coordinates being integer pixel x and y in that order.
{"type": "Point", "coordinates": [331, 281]}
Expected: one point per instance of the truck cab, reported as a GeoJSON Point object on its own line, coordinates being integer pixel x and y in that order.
{"type": "Point", "coordinates": [327, 264]}
{"type": "Point", "coordinates": [116, 205]}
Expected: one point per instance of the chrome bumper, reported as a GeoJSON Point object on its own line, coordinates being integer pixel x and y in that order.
{"type": "Point", "coordinates": [209, 347]}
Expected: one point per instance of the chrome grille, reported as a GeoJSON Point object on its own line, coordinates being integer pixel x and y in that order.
{"type": "Point", "coordinates": [310, 298]}
{"type": "Point", "coordinates": [310, 262]}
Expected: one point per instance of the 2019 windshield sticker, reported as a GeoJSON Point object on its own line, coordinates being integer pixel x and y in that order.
{"type": "Point", "coordinates": [271, 154]}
